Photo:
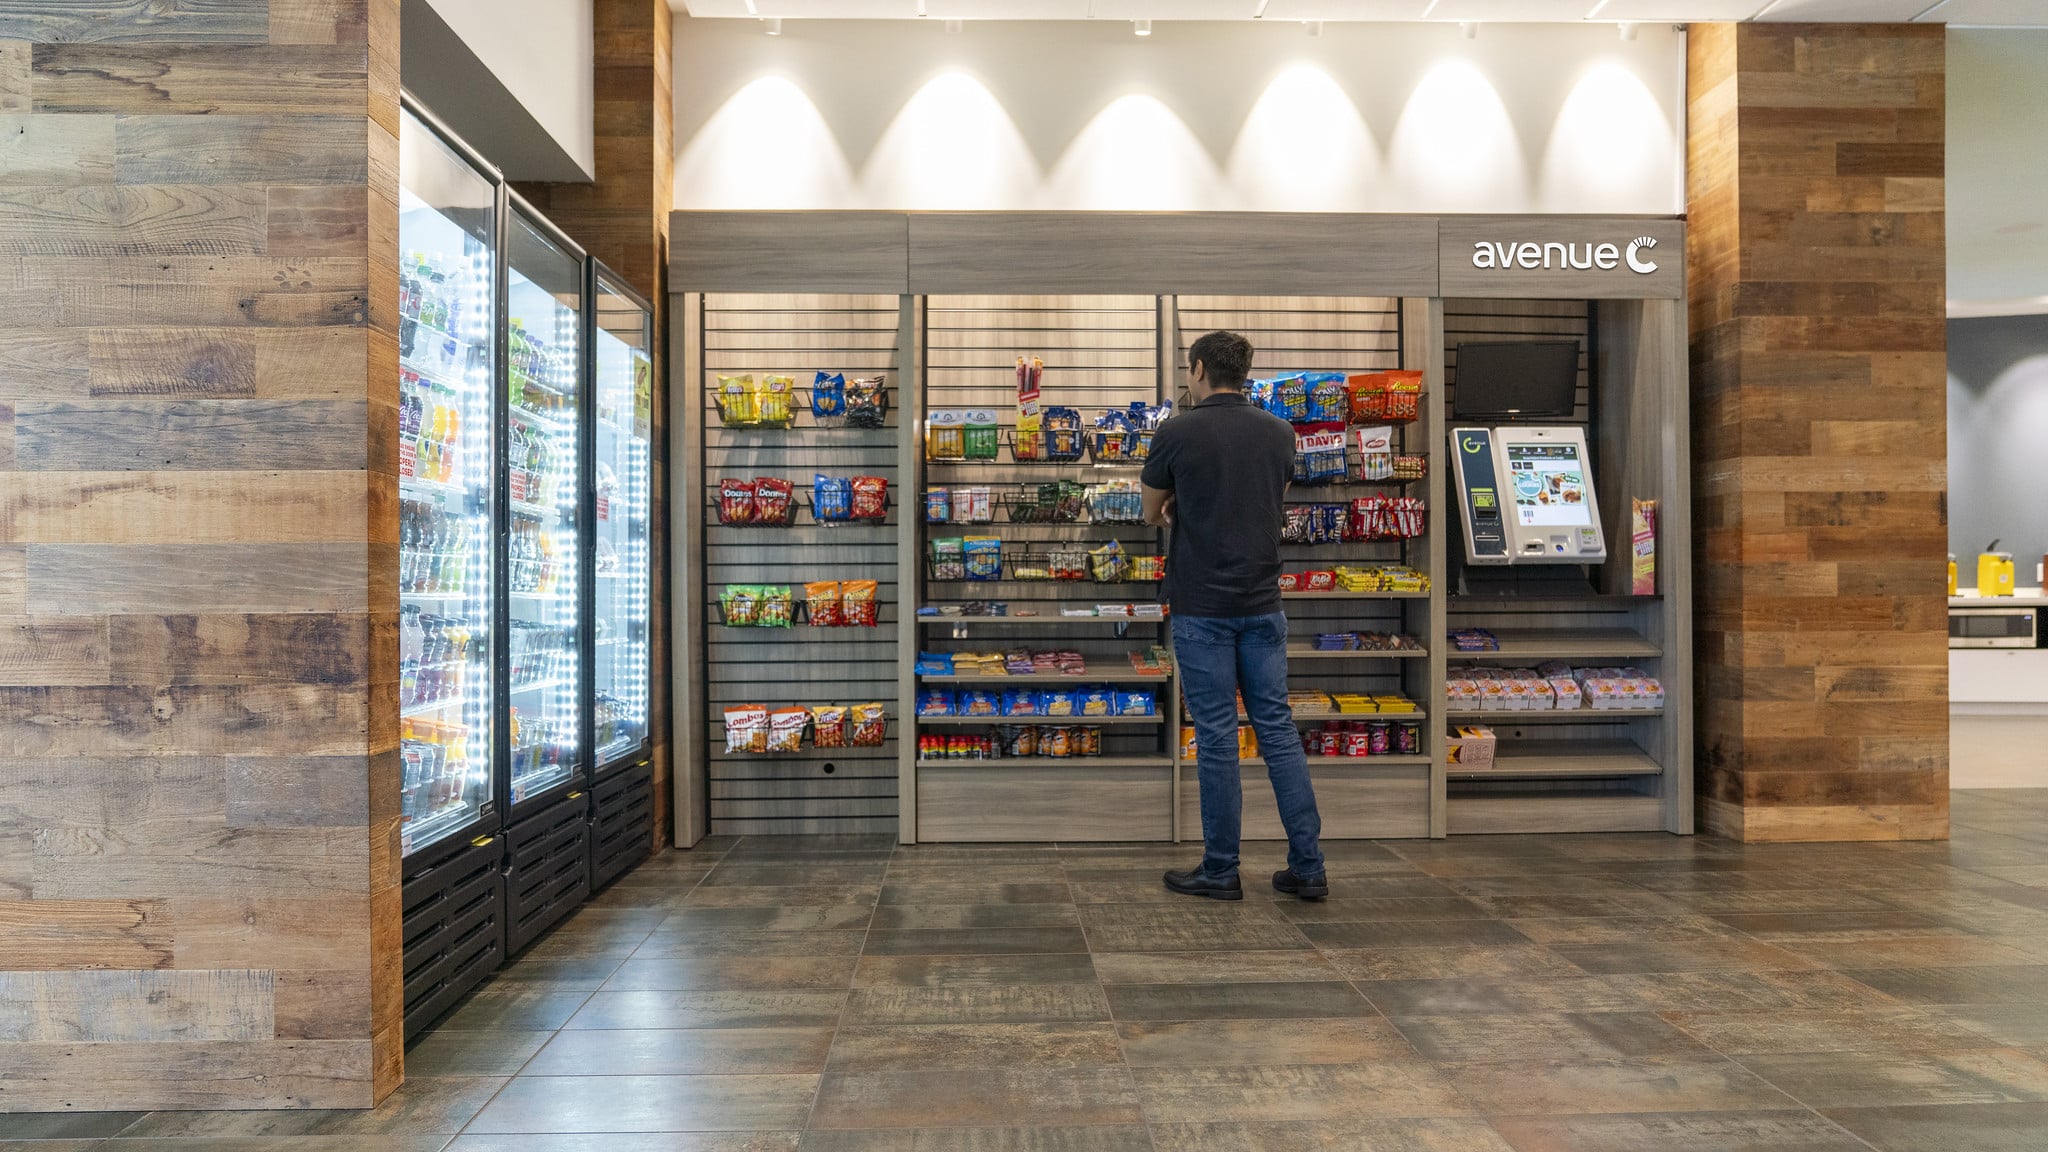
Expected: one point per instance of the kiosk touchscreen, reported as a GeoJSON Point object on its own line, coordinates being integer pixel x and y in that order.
{"type": "Point", "coordinates": [1527, 496]}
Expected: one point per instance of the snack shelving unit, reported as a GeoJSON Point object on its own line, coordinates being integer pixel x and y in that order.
{"type": "Point", "coordinates": [946, 302]}
{"type": "Point", "coordinates": [1100, 352]}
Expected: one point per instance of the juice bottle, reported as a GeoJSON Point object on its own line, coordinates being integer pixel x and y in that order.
{"type": "Point", "coordinates": [450, 471]}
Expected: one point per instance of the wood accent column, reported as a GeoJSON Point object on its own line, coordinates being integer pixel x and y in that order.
{"type": "Point", "coordinates": [1819, 449]}
{"type": "Point", "coordinates": [198, 555]}
{"type": "Point", "coordinates": [621, 218]}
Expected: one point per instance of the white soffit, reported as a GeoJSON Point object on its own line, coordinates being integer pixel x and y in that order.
{"type": "Point", "coordinates": [1845, 11]}
{"type": "Point", "coordinates": [1513, 11]}
{"type": "Point", "coordinates": [1993, 13]}
{"type": "Point", "coordinates": [1680, 11]}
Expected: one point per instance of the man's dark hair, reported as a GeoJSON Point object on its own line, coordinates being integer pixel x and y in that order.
{"type": "Point", "coordinates": [1226, 355]}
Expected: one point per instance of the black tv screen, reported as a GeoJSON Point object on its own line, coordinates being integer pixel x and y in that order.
{"type": "Point", "coordinates": [1519, 380]}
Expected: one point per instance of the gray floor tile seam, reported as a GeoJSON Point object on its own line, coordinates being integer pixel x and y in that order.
{"type": "Point", "coordinates": [554, 1032]}
{"type": "Point", "coordinates": [846, 1001]}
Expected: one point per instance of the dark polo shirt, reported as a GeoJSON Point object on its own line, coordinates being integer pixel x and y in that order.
{"type": "Point", "coordinates": [1228, 464]}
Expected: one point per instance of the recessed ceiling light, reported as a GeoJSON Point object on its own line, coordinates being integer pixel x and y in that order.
{"type": "Point", "coordinates": [1141, 27]}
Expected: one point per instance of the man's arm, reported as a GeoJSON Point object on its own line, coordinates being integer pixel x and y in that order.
{"type": "Point", "coordinates": [1158, 506]}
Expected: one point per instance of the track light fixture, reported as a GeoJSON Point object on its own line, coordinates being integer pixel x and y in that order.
{"type": "Point", "coordinates": [952, 25]}
{"type": "Point", "coordinates": [1141, 27]}
{"type": "Point", "coordinates": [775, 25]}
{"type": "Point", "coordinates": [1315, 27]}
{"type": "Point", "coordinates": [1470, 28]}
{"type": "Point", "coordinates": [1627, 29]}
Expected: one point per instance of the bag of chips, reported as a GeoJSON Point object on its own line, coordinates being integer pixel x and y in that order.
{"type": "Point", "coordinates": [828, 726]}
{"type": "Point", "coordinates": [775, 408]}
{"type": "Point", "coordinates": [870, 498]}
{"type": "Point", "coordinates": [786, 729]}
{"type": "Point", "coordinates": [746, 728]}
{"type": "Point", "coordinates": [735, 502]}
{"type": "Point", "coordinates": [870, 725]}
{"type": "Point", "coordinates": [1329, 399]}
{"type": "Point", "coordinates": [828, 399]}
{"type": "Point", "coordinates": [1290, 399]}
{"type": "Point", "coordinates": [1107, 563]}
{"type": "Point", "coordinates": [857, 606]}
{"type": "Point", "coordinates": [831, 498]}
{"type": "Point", "coordinates": [739, 402]}
{"type": "Point", "coordinates": [867, 402]}
{"type": "Point", "coordinates": [821, 603]}
{"type": "Point", "coordinates": [774, 502]}
{"type": "Point", "coordinates": [778, 607]}
{"type": "Point", "coordinates": [741, 605]}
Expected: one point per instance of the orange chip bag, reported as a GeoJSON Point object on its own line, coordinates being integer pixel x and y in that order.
{"type": "Point", "coordinates": [857, 608]}
{"type": "Point", "coordinates": [821, 597]}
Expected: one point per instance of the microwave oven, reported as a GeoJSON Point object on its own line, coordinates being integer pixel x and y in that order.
{"type": "Point", "coordinates": [1993, 628]}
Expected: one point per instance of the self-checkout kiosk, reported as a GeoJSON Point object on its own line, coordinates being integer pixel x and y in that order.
{"type": "Point", "coordinates": [1525, 490]}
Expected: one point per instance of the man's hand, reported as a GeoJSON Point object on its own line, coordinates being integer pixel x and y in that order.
{"type": "Point", "coordinates": [1159, 505]}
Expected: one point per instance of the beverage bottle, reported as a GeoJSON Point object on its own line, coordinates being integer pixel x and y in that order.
{"type": "Point", "coordinates": [411, 644]}
{"type": "Point", "coordinates": [408, 546]}
{"type": "Point", "coordinates": [451, 470]}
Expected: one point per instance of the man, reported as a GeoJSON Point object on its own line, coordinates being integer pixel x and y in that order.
{"type": "Point", "coordinates": [1218, 475]}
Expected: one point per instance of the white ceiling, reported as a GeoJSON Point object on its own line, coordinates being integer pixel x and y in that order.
{"type": "Point", "coordinates": [2008, 13]}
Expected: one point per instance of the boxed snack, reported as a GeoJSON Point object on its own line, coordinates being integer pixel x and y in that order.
{"type": "Point", "coordinates": [1060, 702]}
{"type": "Point", "coordinates": [984, 557]}
{"type": "Point", "coordinates": [934, 664]}
{"type": "Point", "coordinates": [980, 435]}
{"type": "Point", "coordinates": [945, 435]}
{"type": "Point", "coordinates": [938, 505]}
{"type": "Point", "coordinates": [1471, 748]}
{"type": "Point", "coordinates": [978, 702]}
{"type": "Point", "coordinates": [1136, 703]}
{"type": "Point", "coordinates": [1020, 702]}
{"type": "Point", "coordinates": [1096, 701]}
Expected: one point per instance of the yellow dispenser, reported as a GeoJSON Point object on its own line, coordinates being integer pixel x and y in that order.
{"type": "Point", "coordinates": [1994, 573]}
{"type": "Point", "coordinates": [1951, 574]}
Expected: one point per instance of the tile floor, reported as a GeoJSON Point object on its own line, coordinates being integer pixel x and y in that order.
{"type": "Point", "coordinates": [1570, 994]}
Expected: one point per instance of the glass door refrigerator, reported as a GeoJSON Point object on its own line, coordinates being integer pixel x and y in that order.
{"type": "Point", "coordinates": [619, 569]}
{"type": "Point", "coordinates": [450, 213]}
{"type": "Point", "coordinates": [447, 235]}
{"type": "Point", "coordinates": [547, 814]}
{"type": "Point", "coordinates": [622, 491]}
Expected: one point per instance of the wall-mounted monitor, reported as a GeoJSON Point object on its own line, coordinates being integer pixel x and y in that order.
{"type": "Point", "coordinates": [1516, 380]}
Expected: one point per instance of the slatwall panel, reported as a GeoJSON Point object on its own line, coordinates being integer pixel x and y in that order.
{"type": "Point", "coordinates": [815, 790]}
{"type": "Point", "coordinates": [1491, 321]}
{"type": "Point", "coordinates": [1100, 352]}
{"type": "Point", "coordinates": [1617, 802]}
{"type": "Point", "coordinates": [1292, 334]}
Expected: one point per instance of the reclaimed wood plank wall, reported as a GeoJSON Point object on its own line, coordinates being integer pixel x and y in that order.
{"type": "Point", "coordinates": [621, 218]}
{"type": "Point", "coordinates": [198, 552]}
{"type": "Point", "coordinates": [1817, 267]}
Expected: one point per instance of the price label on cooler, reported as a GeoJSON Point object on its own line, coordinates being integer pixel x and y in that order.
{"type": "Point", "coordinates": [408, 457]}
{"type": "Point", "coordinates": [604, 507]}
{"type": "Point", "coordinates": [519, 484]}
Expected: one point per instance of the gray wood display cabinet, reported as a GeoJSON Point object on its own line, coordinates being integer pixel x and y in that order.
{"type": "Point", "coordinates": [942, 302]}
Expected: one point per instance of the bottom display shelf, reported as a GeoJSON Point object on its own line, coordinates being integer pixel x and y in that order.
{"type": "Point", "coordinates": [1049, 762]}
{"type": "Point", "coordinates": [1497, 812]}
{"type": "Point", "coordinates": [1358, 798]}
{"type": "Point", "coordinates": [1562, 760]}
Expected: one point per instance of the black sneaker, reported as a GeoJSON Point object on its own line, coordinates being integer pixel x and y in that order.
{"type": "Point", "coordinates": [1307, 887]}
{"type": "Point", "coordinates": [1198, 883]}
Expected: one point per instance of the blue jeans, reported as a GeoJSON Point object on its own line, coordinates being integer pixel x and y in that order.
{"type": "Point", "coordinates": [1221, 657]}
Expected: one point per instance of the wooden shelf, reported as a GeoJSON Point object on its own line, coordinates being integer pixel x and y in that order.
{"type": "Point", "coordinates": [1051, 762]}
{"type": "Point", "coordinates": [1553, 715]}
{"type": "Point", "coordinates": [1045, 721]}
{"type": "Point", "coordinates": [1126, 676]}
{"type": "Point", "coordinates": [1039, 621]}
{"type": "Point", "coordinates": [1564, 644]}
{"type": "Point", "coordinates": [1303, 652]}
{"type": "Point", "coordinates": [1342, 595]}
{"type": "Point", "coordinates": [1394, 761]}
{"type": "Point", "coordinates": [1562, 760]}
{"type": "Point", "coordinates": [1492, 813]}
